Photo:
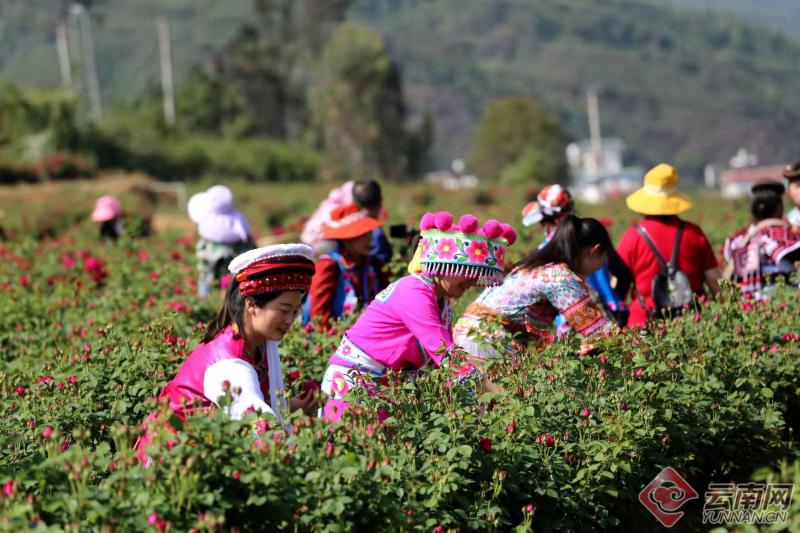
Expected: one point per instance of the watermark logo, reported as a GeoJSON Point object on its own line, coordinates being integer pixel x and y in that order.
{"type": "Point", "coordinates": [665, 495]}
{"type": "Point", "coordinates": [747, 503]}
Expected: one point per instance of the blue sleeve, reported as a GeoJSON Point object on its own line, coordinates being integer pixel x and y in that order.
{"type": "Point", "coordinates": [600, 281]}
{"type": "Point", "coordinates": [381, 248]}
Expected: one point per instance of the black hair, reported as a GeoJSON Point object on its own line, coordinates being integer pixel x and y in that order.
{"type": "Point", "coordinates": [232, 310]}
{"type": "Point", "coordinates": [765, 204]}
{"type": "Point", "coordinates": [572, 236]}
{"type": "Point", "coordinates": [556, 218]}
{"type": "Point", "coordinates": [367, 194]}
{"type": "Point", "coordinates": [792, 171]}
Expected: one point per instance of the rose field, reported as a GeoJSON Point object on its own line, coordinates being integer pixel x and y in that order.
{"type": "Point", "coordinates": [89, 333]}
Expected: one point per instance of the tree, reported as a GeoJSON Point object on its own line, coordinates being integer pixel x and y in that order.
{"type": "Point", "coordinates": [206, 103]}
{"type": "Point", "coordinates": [518, 139]}
{"type": "Point", "coordinates": [358, 105]}
{"type": "Point", "coordinates": [269, 62]}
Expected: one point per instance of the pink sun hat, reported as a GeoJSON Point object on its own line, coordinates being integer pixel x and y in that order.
{"type": "Point", "coordinates": [106, 208]}
{"type": "Point", "coordinates": [216, 217]}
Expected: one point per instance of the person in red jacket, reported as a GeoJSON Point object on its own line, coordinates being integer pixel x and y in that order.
{"type": "Point", "coordinates": [661, 202]}
{"type": "Point", "coordinates": [347, 278]}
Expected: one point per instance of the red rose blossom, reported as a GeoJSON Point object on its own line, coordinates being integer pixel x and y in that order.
{"type": "Point", "coordinates": [485, 444]}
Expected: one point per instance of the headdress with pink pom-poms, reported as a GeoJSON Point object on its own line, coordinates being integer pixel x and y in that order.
{"type": "Point", "coordinates": [463, 248]}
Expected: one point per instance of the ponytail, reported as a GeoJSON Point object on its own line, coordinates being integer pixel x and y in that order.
{"type": "Point", "coordinates": [570, 239]}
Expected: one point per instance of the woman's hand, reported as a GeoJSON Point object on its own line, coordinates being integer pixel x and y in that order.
{"type": "Point", "coordinates": [308, 401]}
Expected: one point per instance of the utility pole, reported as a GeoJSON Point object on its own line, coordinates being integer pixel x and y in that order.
{"type": "Point", "coordinates": [165, 55]}
{"type": "Point", "coordinates": [62, 47]}
{"type": "Point", "coordinates": [87, 59]}
{"type": "Point", "coordinates": [593, 110]}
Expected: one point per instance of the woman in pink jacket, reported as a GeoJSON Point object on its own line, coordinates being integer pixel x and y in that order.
{"type": "Point", "coordinates": [240, 349]}
{"type": "Point", "coordinates": [409, 324]}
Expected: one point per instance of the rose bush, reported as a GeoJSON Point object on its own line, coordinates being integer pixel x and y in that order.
{"type": "Point", "coordinates": [89, 335]}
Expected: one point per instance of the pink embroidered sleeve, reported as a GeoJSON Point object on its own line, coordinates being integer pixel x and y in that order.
{"type": "Point", "coordinates": [415, 304]}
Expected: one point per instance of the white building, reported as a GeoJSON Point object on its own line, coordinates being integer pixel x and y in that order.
{"type": "Point", "coordinates": [736, 182]}
{"type": "Point", "coordinates": [744, 173]}
{"type": "Point", "coordinates": [598, 171]}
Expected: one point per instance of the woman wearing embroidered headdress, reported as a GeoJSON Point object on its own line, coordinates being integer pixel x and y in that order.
{"type": "Point", "coordinates": [239, 351]}
{"type": "Point", "coordinates": [347, 277]}
{"type": "Point", "coordinates": [548, 281]}
{"type": "Point", "coordinates": [766, 249]}
{"type": "Point", "coordinates": [224, 233]}
{"type": "Point", "coordinates": [408, 325]}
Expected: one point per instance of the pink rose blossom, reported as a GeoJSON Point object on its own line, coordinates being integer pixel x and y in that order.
{"type": "Point", "coordinates": [67, 261]}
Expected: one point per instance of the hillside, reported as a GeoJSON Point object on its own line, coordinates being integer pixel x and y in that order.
{"type": "Point", "coordinates": [776, 14]}
{"type": "Point", "coordinates": [678, 84]}
{"type": "Point", "coordinates": [675, 85]}
{"type": "Point", "coordinates": [125, 39]}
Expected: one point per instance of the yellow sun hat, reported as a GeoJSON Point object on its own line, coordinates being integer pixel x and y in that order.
{"type": "Point", "coordinates": [660, 194]}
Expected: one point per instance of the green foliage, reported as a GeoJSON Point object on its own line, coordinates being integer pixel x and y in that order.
{"type": "Point", "coordinates": [269, 63]}
{"type": "Point", "coordinates": [521, 141]}
{"type": "Point", "coordinates": [35, 122]}
{"type": "Point", "coordinates": [714, 396]}
{"type": "Point", "coordinates": [359, 105]}
{"type": "Point", "coordinates": [262, 160]}
{"type": "Point", "coordinates": [206, 104]}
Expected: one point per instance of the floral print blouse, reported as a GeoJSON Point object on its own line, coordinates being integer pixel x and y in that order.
{"type": "Point", "coordinates": [529, 300]}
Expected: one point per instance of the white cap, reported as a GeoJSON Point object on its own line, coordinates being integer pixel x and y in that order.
{"type": "Point", "coordinates": [244, 260]}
